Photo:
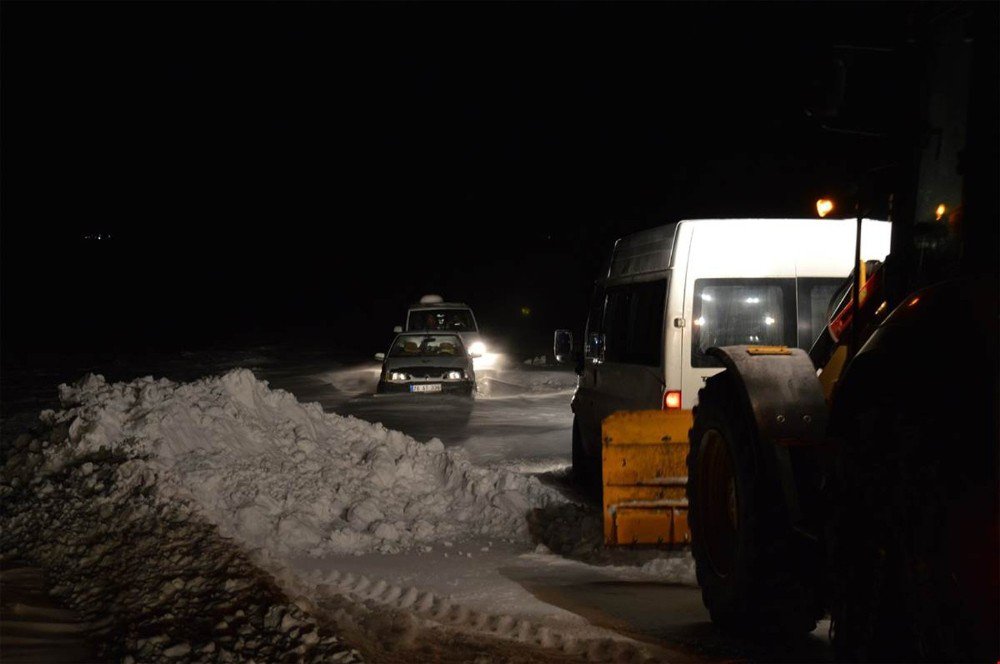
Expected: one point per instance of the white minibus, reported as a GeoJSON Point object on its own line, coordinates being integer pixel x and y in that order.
{"type": "Point", "coordinates": [672, 292]}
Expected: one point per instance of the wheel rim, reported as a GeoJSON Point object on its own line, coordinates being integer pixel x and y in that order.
{"type": "Point", "coordinates": [719, 507]}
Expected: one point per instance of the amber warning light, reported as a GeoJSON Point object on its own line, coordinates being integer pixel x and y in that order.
{"type": "Point", "coordinates": [824, 206]}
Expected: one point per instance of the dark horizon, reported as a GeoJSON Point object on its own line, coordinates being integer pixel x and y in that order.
{"type": "Point", "coordinates": [280, 172]}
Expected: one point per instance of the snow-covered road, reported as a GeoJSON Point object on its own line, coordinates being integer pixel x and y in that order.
{"type": "Point", "coordinates": [573, 586]}
{"type": "Point", "coordinates": [412, 525]}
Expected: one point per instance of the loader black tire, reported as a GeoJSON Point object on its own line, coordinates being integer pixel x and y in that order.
{"type": "Point", "coordinates": [756, 575]}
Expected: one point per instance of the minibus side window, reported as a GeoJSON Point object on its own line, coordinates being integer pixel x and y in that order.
{"type": "Point", "coordinates": [616, 324]}
{"type": "Point", "coordinates": [592, 348]}
{"type": "Point", "coordinates": [731, 312]}
{"type": "Point", "coordinates": [633, 323]}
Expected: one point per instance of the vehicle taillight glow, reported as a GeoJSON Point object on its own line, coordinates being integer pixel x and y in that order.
{"type": "Point", "coordinates": [672, 400]}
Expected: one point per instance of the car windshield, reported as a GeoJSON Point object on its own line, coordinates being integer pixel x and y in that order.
{"type": "Point", "coordinates": [450, 320]}
{"type": "Point", "coordinates": [439, 345]}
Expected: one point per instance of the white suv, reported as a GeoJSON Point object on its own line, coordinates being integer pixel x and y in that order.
{"type": "Point", "coordinates": [433, 314]}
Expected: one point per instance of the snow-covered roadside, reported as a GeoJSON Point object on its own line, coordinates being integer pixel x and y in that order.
{"type": "Point", "coordinates": [293, 484]}
{"type": "Point", "coordinates": [153, 580]}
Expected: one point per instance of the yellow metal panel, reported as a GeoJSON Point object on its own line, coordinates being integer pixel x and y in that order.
{"type": "Point", "coordinates": [663, 527]}
{"type": "Point", "coordinates": [644, 456]}
{"type": "Point", "coordinates": [768, 350]}
{"type": "Point", "coordinates": [831, 372]}
{"type": "Point", "coordinates": [639, 464]}
{"type": "Point", "coordinates": [615, 497]}
{"type": "Point", "coordinates": [646, 427]}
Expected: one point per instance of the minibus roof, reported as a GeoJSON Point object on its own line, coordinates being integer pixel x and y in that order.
{"type": "Point", "coordinates": [649, 251]}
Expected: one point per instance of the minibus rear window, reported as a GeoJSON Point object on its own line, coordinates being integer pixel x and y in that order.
{"type": "Point", "coordinates": [730, 312]}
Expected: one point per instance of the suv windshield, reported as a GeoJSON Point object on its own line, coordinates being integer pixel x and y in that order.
{"type": "Point", "coordinates": [439, 345]}
{"type": "Point", "coordinates": [450, 320]}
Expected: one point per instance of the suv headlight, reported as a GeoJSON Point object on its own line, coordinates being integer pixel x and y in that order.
{"type": "Point", "coordinates": [454, 375]}
{"type": "Point", "coordinates": [398, 376]}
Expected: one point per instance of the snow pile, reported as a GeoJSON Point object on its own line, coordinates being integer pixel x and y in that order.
{"type": "Point", "coordinates": [286, 476]}
{"type": "Point", "coordinates": [153, 580]}
{"type": "Point", "coordinates": [549, 381]}
{"type": "Point", "coordinates": [527, 381]}
{"type": "Point", "coordinates": [677, 568]}
{"type": "Point", "coordinates": [577, 532]}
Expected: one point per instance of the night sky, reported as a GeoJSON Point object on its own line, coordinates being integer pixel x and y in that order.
{"type": "Point", "coordinates": [301, 172]}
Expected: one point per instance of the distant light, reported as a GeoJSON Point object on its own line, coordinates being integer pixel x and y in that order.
{"type": "Point", "coordinates": [914, 301]}
{"type": "Point", "coordinates": [525, 311]}
{"type": "Point", "coordinates": [477, 348]}
{"type": "Point", "coordinates": [824, 206]}
{"type": "Point", "coordinates": [700, 321]}
{"type": "Point", "coordinates": [752, 300]}
{"type": "Point", "coordinates": [768, 320]}
{"type": "Point", "coordinates": [939, 212]}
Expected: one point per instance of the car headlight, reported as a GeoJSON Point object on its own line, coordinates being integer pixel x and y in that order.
{"type": "Point", "coordinates": [398, 376]}
{"type": "Point", "coordinates": [477, 348]}
{"type": "Point", "coordinates": [454, 375]}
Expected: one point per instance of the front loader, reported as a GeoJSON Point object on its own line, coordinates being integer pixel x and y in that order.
{"type": "Point", "coordinates": [861, 478]}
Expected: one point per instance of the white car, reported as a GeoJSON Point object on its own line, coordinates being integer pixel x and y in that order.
{"type": "Point", "coordinates": [422, 363]}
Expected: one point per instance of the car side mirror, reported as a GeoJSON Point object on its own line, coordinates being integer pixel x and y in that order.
{"type": "Point", "coordinates": [562, 346]}
{"type": "Point", "coordinates": [398, 329]}
{"type": "Point", "coordinates": [380, 357]}
{"type": "Point", "coordinates": [475, 355]}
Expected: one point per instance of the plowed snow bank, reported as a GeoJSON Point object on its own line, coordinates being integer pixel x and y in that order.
{"type": "Point", "coordinates": [287, 476]}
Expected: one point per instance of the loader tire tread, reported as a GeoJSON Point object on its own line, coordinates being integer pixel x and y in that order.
{"type": "Point", "coordinates": [776, 581]}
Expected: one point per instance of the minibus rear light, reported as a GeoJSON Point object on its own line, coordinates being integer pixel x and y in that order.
{"type": "Point", "coordinates": [672, 400]}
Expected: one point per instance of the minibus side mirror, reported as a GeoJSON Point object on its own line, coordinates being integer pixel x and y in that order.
{"type": "Point", "coordinates": [562, 346]}
{"type": "Point", "coordinates": [398, 329]}
{"type": "Point", "coordinates": [595, 347]}
{"type": "Point", "coordinates": [380, 357]}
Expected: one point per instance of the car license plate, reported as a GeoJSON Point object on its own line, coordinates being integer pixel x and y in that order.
{"type": "Point", "coordinates": [431, 387]}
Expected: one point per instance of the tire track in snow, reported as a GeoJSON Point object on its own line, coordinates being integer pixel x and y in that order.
{"type": "Point", "coordinates": [440, 611]}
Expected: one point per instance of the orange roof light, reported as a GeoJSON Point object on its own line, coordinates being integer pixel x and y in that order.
{"type": "Point", "coordinates": [824, 206]}
{"type": "Point", "coordinates": [939, 212]}
{"type": "Point", "coordinates": [672, 400]}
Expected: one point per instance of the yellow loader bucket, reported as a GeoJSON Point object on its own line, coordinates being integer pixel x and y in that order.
{"type": "Point", "coordinates": [645, 476]}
